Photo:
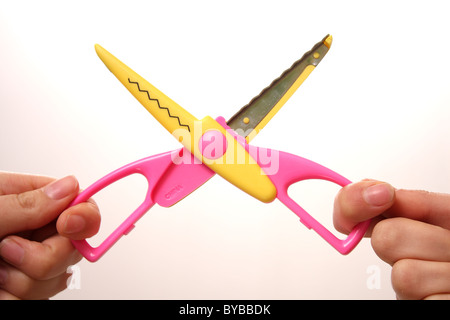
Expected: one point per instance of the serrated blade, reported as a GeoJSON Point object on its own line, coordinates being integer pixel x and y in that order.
{"type": "Point", "coordinates": [249, 120]}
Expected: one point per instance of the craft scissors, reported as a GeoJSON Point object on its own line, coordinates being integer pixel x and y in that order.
{"type": "Point", "coordinates": [213, 146]}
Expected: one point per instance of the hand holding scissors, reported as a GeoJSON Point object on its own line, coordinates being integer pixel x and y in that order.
{"type": "Point", "coordinates": [213, 146]}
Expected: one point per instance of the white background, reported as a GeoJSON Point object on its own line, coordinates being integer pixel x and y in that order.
{"type": "Point", "coordinates": [377, 106]}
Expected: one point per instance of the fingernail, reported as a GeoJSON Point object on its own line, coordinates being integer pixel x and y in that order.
{"type": "Point", "coordinates": [61, 188]}
{"type": "Point", "coordinates": [379, 194]}
{"type": "Point", "coordinates": [11, 252]}
{"type": "Point", "coordinates": [74, 223]}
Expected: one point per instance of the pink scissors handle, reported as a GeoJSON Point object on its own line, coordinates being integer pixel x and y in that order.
{"type": "Point", "coordinates": [152, 168]}
{"type": "Point", "coordinates": [293, 169]}
{"type": "Point", "coordinates": [168, 183]}
{"type": "Point", "coordinates": [290, 169]}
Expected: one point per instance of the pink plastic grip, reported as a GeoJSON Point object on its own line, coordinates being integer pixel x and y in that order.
{"type": "Point", "coordinates": [290, 169]}
{"type": "Point", "coordinates": [152, 168]}
{"type": "Point", "coordinates": [293, 169]}
{"type": "Point", "coordinates": [169, 181]}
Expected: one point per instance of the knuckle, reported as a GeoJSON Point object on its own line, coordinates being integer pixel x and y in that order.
{"type": "Point", "coordinates": [26, 200]}
{"type": "Point", "coordinates": [385, 236]}
{"type": "Point", "coordinates": [32, 289]}
{"type": "Point", "coordinates": [404, 278]}
{"type": "Point", "coordinates": [30, 205]}
{"type": "Point", "coordinates": [43, 272]}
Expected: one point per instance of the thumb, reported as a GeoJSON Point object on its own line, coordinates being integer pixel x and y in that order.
{"type": "Point", "coordinates": [36, 208]}
{"type": "Point", "coordinates": [361, 201]}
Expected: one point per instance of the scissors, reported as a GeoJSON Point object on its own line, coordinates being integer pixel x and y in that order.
{"type": "Point", "coordinates": [213, 146]}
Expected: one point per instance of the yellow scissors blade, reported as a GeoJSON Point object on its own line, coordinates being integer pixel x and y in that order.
{"type": "Point", "coordinates": [165, 110]}
{"type": "Point", "coordinates": [254, 116]}
{"type": "Point", "coordinates": [232, 161]}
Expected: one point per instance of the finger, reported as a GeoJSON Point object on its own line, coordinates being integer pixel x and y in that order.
{"type": "Point", "coordinates": [36, 208]}
{"type": "Point", "coordinates": [430, 207]}
{"type": "Point", "coordinates": [16, 284]}
{"type": "Point", "coordinates": [79, 222]}
{"type": "Point", "coordinates": [7, 296]}
{"type": "Point", "coordinates": [439, 296]}
{"type": "Point", "coordinates": [418, 279]}
{"type": "Point", "coordinates": [399, 238]}
{"type": "Point", "coordinates": [361, 201]}
{"type": "Point", "coordinates": [14, 183]}
{"type": "Point", "coordinates": [40, 261]}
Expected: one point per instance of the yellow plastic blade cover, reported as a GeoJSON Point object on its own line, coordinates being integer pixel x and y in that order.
{"type": "Point", "coordinates": [234, 163]}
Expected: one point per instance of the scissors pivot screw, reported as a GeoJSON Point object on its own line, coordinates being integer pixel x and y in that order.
{"type": "Point", "coordinates": [213, 144]}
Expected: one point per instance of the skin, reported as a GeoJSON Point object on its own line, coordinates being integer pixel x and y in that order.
{"type": "Point", "coordinates": [35, 232]}
{"type": "Point", "coordinates": [410, 231]}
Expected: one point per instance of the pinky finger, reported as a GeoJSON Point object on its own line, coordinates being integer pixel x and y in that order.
{"type": "Point", "coordinates": [417, 279]}
{"type": "Point", "coordinates": [4, 295]}
{"type": "Point", "coordinates": [20, 286]}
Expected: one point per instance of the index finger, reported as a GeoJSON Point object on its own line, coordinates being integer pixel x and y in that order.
{"type": "Point", "coordinates": [425, 206]}
{"type": "Point", "coordinates": [14, 183]}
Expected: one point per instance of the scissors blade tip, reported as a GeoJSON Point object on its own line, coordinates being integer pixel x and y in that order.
{"type": "Point", "coordinates": [98, 49]}
{"type": "Point", "coordinates": [328, 40]}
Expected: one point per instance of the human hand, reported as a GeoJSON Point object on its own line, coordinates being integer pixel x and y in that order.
{"type": "Point", "coordinates": [410, 231]}
{"type": "Point", "coordinates": [35, 227]}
